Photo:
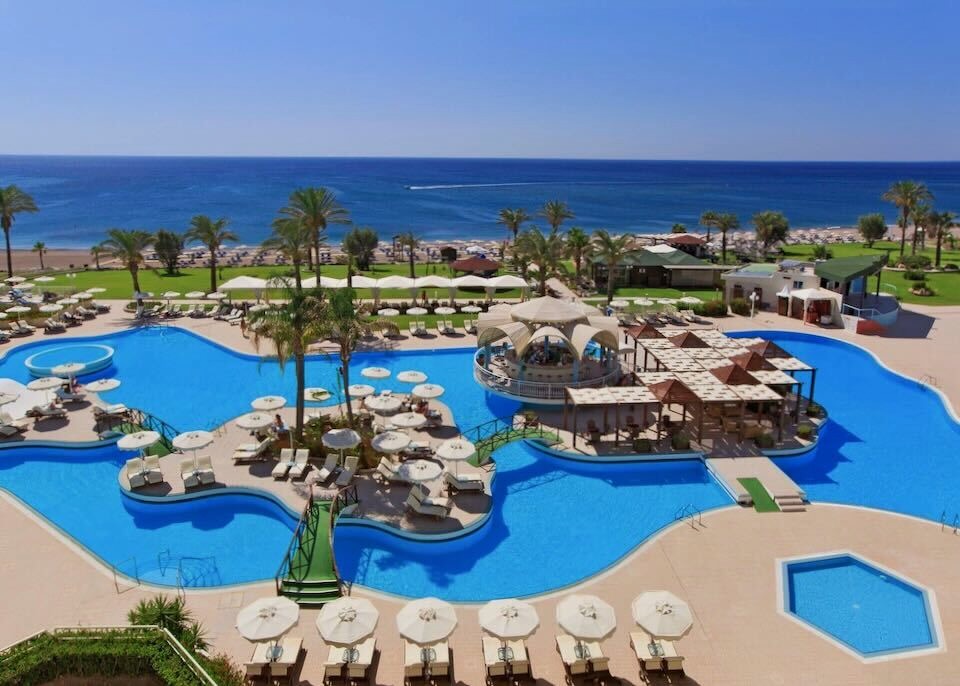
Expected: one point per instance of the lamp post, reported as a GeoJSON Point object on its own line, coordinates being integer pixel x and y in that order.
{"type": "Point", "coordinates": [753, 303]}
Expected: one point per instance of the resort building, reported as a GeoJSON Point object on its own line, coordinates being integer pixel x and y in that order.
{"type": "Point", "coordinates": [659, 266]}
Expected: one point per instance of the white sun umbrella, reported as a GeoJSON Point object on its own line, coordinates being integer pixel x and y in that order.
{"type": "Point", "coordinates": [26, 286]}
{"type": "Point", "coordinates": [360, 390]}
{"type": "Point", "coordinates": [445, 310]}
{"type": "Point", "coordinates": [192, 294]}
{"type": "Point", "coordinates": [6, 398]}
{"type": "Point", "coordinates": [666, 301]}
{"type": "Point", "coordinates": [586, 617]}
{"type": "Point", "coordinates": [102, 385]}
{"type": "Point", "coordinates": [68, 369]}
{"type": "Point", "coordinates": [509, 619]}
{"type": "Point", "coordinates": [408, 420]}
{"type": "Point", "coordinates": [419, 471]}
{"type": "Point", "coordinates": [426, 621]}
{"type": "Point", "coordinates": [45, 383]}
{"type": "Point", "coordinates": [471, 309]}
{"type": "Point", "coordinates": [254, 420]}
{"type": "Point", "coordinates": [268, 403]}
{"type": "Point", "coordinates": [97, 289]}
{"type": "Point", "coordinates": [83, 295]}
{"type": "Point", "coordinates": [15, 279]}
{"type": "Point", "coordinates": [618, 304]}
{"type": "Point", "coordinates": [375, 372]}
{"type": "Point", "coordinates": [193, 441]}
{"type": "Point", "coordinates": [170, 295]}
{"type": "Point", "coordinates": [388, 312]}
{"type": "Point", "coordinates": [340, 439]}
{"type": "Point", "coordinates": [50, 308]}
{"type": "Point", "coordinates": [44, 279]}
{"type": "Point", "coordinates": [315, 394]}
{"type": "Point", "coordinates": [67, 301]}
{"type": "Point", "coordinates": [139, 441]}
{"type": "Point", "coordinates": [662, 614]}
{"type": "Point", "coordinates": [411, 376]}
{"type": "Point", "coordinates": [690, 300]}
{"type": "Point", "coordinates": [19, 309]}
{"type": "Point", "coordinates": [456, 450]}
{"type": "Point", "coordinates": [417, 311]}
{"type": "Point", "coordinates": [267, 619]}
{"type": "Point", "coordinates": [643, 302]}
{"type": "Point", "coordinates": [260, 307]}
{"type": "Point", "coordinates": [216, 295]}
{"type": "Point", "coordinates": [347, 620]}
{"type": "Point", "coordinates": [383, 403]}
{"type": "Point", "coordinates": [427, 391]}
{"type": "Point", "coordinates": [390, 442]}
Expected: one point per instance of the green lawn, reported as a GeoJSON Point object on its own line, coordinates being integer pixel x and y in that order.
{"type": "Point", "coordinates": [804, 251]}
{"type": "Point", "coordinates": [762, 502]}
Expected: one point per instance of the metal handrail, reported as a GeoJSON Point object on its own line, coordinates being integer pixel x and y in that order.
{"type": "Point", "coordinates": [288, 555]}
{"type": "Point", "coordinates": [136, 572]}
{"type": "Point", "coordinates": [536, 389]}
{"type": "Point", "coordinates": [153, 423]}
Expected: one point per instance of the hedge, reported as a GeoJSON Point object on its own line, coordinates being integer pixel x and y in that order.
{"type": "Point", "coordinates": [740, 306]}
{"type": "Point", "coordinates": [711, 308]}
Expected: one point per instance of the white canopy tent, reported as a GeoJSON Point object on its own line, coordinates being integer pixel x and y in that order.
{"type": "Point", "coordinates": [803, 297]}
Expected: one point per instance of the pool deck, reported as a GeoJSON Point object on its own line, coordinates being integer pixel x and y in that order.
{"type": "Point", "coordinates": [725, 568]}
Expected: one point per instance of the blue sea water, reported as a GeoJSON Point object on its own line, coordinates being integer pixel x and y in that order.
{"type": "Point", "coordinates": [80, 197]}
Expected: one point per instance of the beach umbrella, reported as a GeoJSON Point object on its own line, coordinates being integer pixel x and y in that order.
{"type": "Point", "coordinates": [666, 301]}
{"type": "Point", "coordinates": [586, 617]}
{"type": "Point", "coordinates": [411, 376]}
{"type": "Point", "coordinates": [102, 385]}
{"type": "Point", "coordinates": [315, 394]}
{"type": "Point", "coordinates": [139, 440]}
{"type": "Point", "coordinates": [6, 398]}
{"type": "Point", "coordinates": [216, 295]}
{"type": "Point", "coordinates": [471, 309]}
{"type": "Point", "coordinates": [375, 372]}
{"type": "Point", "coordinates": [68, 369]}
{"type": "Point", "coordinates": [618, 304]}
{"type": "Point", "coordinates": [690, 300]}
{"type": "Point", "coordinates": [509, 619]}
{"type": "Point", "coordinates": [662, 614]}
{"type": "Point", "coordinates": [258, 308]}
{"type": "Point", "coordinates": [44, 279]}
{"type": "Point", "coordinates": [193, 441]}
{"type": "Point", "coordinates": [417, 311]}
{"type": "Point", "coordinates": [267, 618]}
{"type": "Point", "coordinates": [341, 439]}
{"type": "Point", "coordinates": [456, 450]}
{"type": "Point", "coordinates": [67, 301]}
{"type": "Point", "coordinates": [169, 295]}
{"type": "Point", "coordinates": [26, 287]}
{"type": "Point", "coordinates": [45, 383]}
{"type": "Point", "coordinates": [383, 403]}
{"type": "Point", "coordinates": [408, 420]}
{"type": "Point", "coordinates": [14, 279]}
{"type": "Point", "coordinates": [445, 310]}
{"type": "Point", "coordinates": [643, 302]}
{"type": "Point", "coordinates": [50, 308]}
{"type": "Point", "coordinates": [427, 391]}
{"type": "Point", "coordinates": [192, 294]}
{"type": "Point", "coordinates": [390, 442]}
{"type": "Point", "coordinates": [419, 471]}
{"type": "Point", "coordinates": [19, 309]}
{"type": "Point", "coordinates": [254, 421]}
{"type": "Point", "coordinates": [360, 390]}
{"type": "Point", "coordinates": [268, 403]}
{"type": "Point", "coordinates": [426, 621]}
{"type": "Point", "coordinates": [97, 289]}
{"type": "Point", "coordinates": [347, 620]}
{"type": "Point", "coordinates": [83, 295]}
{"type": "Point", "coordinates": [388, 312]}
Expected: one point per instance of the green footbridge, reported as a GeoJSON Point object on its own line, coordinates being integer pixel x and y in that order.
{"type": "Point", "coordinates": [308, 573]}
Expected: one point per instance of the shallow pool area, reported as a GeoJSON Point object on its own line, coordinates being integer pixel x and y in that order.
{"type": "Point", "coordinates": [867, 609]}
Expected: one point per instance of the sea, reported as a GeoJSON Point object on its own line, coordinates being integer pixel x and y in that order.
{"type": "Point", "coordinates": [443, 199]}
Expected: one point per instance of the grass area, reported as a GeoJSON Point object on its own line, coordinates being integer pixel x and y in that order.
{"type": "Point", "coordinates": [313, 559]}
{"type": "Point", "coordinates": [762, 502]}
{"type": "Point", "coordinates": [946, 285]}
{"type": "Point", "coordinates": [804, 251]}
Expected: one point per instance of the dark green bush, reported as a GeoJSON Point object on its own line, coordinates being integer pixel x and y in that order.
{"type": "Point", "coordinates": [914, 275]}
{"type": "Point", "coordinates": [915, 261]}
{"type": "Point", "coordinates": [765, 441]}
{"type": "Point", "coordinates": [950, 267]}
{"type": "Point", "coordinates": [805, 431]}
{"type": "Point", "coordinates": [814, 410]}
{"type": "Point", "coordinates": [680, 442]}
{"type": "Point", "coordinates": [740, 306]}
{"type": "Point", "coordinates": [642, 445]}
{"type": "Point", "coordinates": [711, 308]}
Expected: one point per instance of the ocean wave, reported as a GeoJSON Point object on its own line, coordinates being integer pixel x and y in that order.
{"type": "Point", "coordinates": [478, 185]}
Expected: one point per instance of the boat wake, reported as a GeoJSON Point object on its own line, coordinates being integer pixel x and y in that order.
{"type": "Point", "coordinates": [444, 186]}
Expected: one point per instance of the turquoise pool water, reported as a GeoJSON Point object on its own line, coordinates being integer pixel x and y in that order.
{"type": "Point", "coordinates": [865, 608]}
{"type": "Point", "coordinates": [554, 522]}
{"type": "Point", "coordinates": [224, 539]}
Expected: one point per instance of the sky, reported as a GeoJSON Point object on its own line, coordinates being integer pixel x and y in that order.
{"type": "Point", "coordinates": [635, 79]}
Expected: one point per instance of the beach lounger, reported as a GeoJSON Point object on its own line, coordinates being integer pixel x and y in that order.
{"type": "Point", "coordinates": [412, 660]}
{"type": "Point", "coordinates": [102, 309]}
{"type": "Point", "coordinates": [448, 327]}
{"type": "Point", "coordinates": [495, 665]}
{"type": "Point", "coordinates": [152, 469]}
{"type": "Point", "coordinates": [10, 426]}
{"type": "Point", "coordinates": [412, 328]}
{"type": "Point", "coordinates": [421, 327]}
{"type": "Point", "coordinates": [283, 466]}
{"type": "Point", "coordinates": [4, 336]}
{"type": "Point", "coordinates": [423, 496]}
{"type": "Point", "coordinates": [53, 326]}
{"type": "Point", "coordinates": [21, 329]}
{"type": "Point", "coordinates": [357, 669]}
{"type": "Point", "coordinates": [301, 464]}
{"type": "Point", "coordinates": [458, 483]}
{"type": "Point", "coordinates": [187, 472]}
{"type": "Point", "coordinates": [328, 468]}
{"type": "Point", "coordinates": [566, 646]}
{"type": "Point", "coordinates": [334, 664]}
{"type": "Point", "coordinates": [248, 452]}
{"type": "Point", "coordinates": [441, 327]}
{"type": "Point", "coordinates": [520, 663]}
{"type": "Point", "coordinates": [206, 474]}
{"type": "Point", "coordinates": [135, 474]}
{"type": "Point", "coordinates": [101, 409]}
{"type": "Point", "coordinates": [85, 313]}
{"type": "Point", "coordinates": [39, 412]}
{"type": "Point", "coordinates": [68, 397]}
{"type": "Point", "coordinates": [389, 473]}
{"type": "Point", "coordinates": [417, 506]}
{"type": "Point", "coordinates": [350, 465]}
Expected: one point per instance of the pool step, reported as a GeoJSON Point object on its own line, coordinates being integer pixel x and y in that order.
{"type": "Point", "coordinates": [310, 593]}
{"type": "Point", "coordinates": [790, 503]}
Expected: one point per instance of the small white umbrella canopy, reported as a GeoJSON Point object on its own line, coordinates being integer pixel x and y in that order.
{"type": "Point", "coordinates": [509, 619]}
{"type": "Point", "coordinates": [216, 295]}
{"type": "Point", "coordinates": [102, 385]}
{"type": "Point", "coordinates": [471, 309]}
{"type": "Point", "coordinates": [445, 310]}
{"type": "Point", "coordinates": [267, 618]}
{"type": "Point", "coordinates": [268, 403]}
{"type": "Point", "coordinates": [417, 311]}
{"type": "Point", "coordinates": [586, 617]}
{"type": "Point", "coordinates": [419, 471]}
{"type": "Point", "coordinates": [168, 295]}
{"type": "Point", "coordinates": [83, 295]}
{"type": "Point", "coordinates": [258, 308]}
{"type": "Point", "coordinates": [97, 289]}
{"type": "Point", "coordinates": [45, 383]}
{"type": "Point", "coordinates": [50, 308]}
{"type": "Point", "coordinates": [68, 369]}
{"type": "Point", "coordinates": [411, 376]}
{"type": "Point", "coordinates": [44, 279]}
{"type": "Point", "coordinates": [388, 312]}
{"type": "Point", "coordinates": [347, 620]}
{"type": "Point", "coordinates": [456, 449]}
{"type": "Point", "coordinates": [138, 440]}
{"type": "Point", "coordinates": [315, 394]}
{"type": "Point", "coordinates": [8, 398]}
{"type": "Point", "coordinates": [383, 403]}
{"type": "Point", "coordinates": [25, 286]}
{"type": "Point", "coordinates": [192, 294]}
{"type": "Point", "coordinates": [426, 621]}
{"type": "Point", "coordinates": [666, 301]}
{"type": "Point", "coordinates": [390, 442]}
{"type": "Point", "coordinates": [19, 309]}
{"type": "Point", "coordinates": [193, 440]}
{"type": "Point", "coordinates": [360, 390]}
{"type": "Point", "coordinates": [408, 420]}
{"type": "Point", "coordinates": [643, 302]}
{"type": "Point", "coordinates": [254, 421]}
{"type": "Point", "coordinates": [67, 301]}
{"type": "Point", "coordinates": [618, 304]}
{"type": "Point", "coordinates": [662, 614]}
{"type": "Point", "coordinates": [341, 439]}
{"type": "Point", "coordinates": [14, 279]}
{"type": "Point", "coordinates": [690, 300]}
{"type": "Point", "coordinates": [427, 391]}
{"type": "Point", "coordinates": [375, 372]}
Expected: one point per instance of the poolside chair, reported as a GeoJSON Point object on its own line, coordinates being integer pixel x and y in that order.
{"type": "Point", "coordinates": [458, 483]}
{"type": "Point", "coordinates": [39, 412]}
{"type": "Point", "coordinates": [206, 474]}
{"type": "Point", "coordinates": [194, 310]}
{"type": "Point", "coordinates": [301, 464]}
{"type": "Point", "coordinates": [365, 652]}
{"type": "Point", "coordinates": [412, 661]}
{"type": "Point", "coordinates": [283, 466]}
{"type": "Point", "coordinates": [249, 452]}
{"type": "Point", "coordinates": [21, 329]}
{"type": "Point", "coordinates": [593, 432]}
{"type": "Point", "coordinates": [328, 468]}
{"type": "Point", "coordinates": [334, 664]}
{"type": "Point", "coordinates": [188, 473]}
{"type": "Point", "coordinates": [71, 319]}
{"type": "Point", "coordinates": [85, 313]}
{"type": "Point", "coordinates": [350, 464]}
{"type": "Point", "coordinates": [412, 327]}
{"type": "Point", "coordinates": [135, 475]}
{"type": "Point", "coordinates": [152, 469]}
{"type": "Point", "coordinates": [566, 646]}
{"type": "Point", "coordinates": [421, 327]}
{"type": "Point", "coordinates": [102, 309]}
{"type": "Point", "coordinates": [520, 664]}
{"type": "Point", "coordinates": [423, 496]}
{"type": "Point", "coordinates": [10, 426]}
{"type": "Point", "coordinates": [448, 326]}
{"type": "Point", "coordinates": [69, 397]}
{"type": "Point", "coordinates": [414, 504]}
{"type": "Point", "coordinates": [102, 409]}
{"type": "Point", "coordinates": [4, 336]}
{"type": "Point", "coordinates": [53, 326]}
{"type": "Point", "coordinates": [495, 666]}
{"type": "Point", "coordinates": [441, 327]}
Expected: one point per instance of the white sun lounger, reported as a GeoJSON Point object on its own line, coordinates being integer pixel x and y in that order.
{"type": "Point", "coordinates": [350, 465]}
{"type": "Point", "coordinates": [458, 483]}
{"type": "Point", "coordinates": [152, 469]}
{"type": "Point", "coordinates": [206, 474]}
{"type": "Point", "coordinates": [283, 466]}
{"type": "Point", "coordinates": [135, 474]}
{"type": "Point", "coordinates": [328, 468]}
{"type": "Point", "coordinates": [301, 464]}
{"type": "Point", "coordinates": [252, 451]}
{"type": "Point", "coordinates": [389, 472]}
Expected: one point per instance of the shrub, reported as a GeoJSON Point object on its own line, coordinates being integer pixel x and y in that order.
{"type": "Point", "coordinates": [814, 410]}
{"type": "Point", "coordinates": [914, 275]}
{"type": "Point", "coordinates": [223, 671]}
{"type": "Point", "coordinates": [765, 441]}
{"type": "Point", "coordinates": [642, 445]}
{"type": "Point", "coordinates": [915, 261]}
{"type": "Point", "coordinates": [740, 306]}
{"type": "Point", "coordinates": [680, 442]}
{"type": "Point", "coordinates": [805, 431]}
{"type": "Point", "coordinates": [711, 308]}
{"type": "Point", "coordinates": [950, 267]}
{"type": "Point", "coordinates": [821, 252]}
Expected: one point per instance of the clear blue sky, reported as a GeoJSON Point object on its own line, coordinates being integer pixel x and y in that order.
{"type": "Point", "coordinates": [697, 79]}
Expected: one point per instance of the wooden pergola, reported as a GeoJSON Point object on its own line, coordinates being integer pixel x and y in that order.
{"type": "Point", "coordinates": [606, 397]}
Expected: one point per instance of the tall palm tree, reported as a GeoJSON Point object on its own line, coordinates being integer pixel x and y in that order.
{"type": "Point", "coordinates": [41, 249]}
{"type": "Point", "coordinates": [291, 326]}
{"type": "Point", "coordinates": [316, 207]}
{"type": "Point", "coordinates": [360, 244]}
{"type": "Point", "coordinates": [544, 251]}
{"type": "Point", "coordinates": [213, 234]}
{"type": "Point", "coordinates": [709, 219]}
{"type": "Point", "coordinates": [13, 201]}
{"type": "Point", "coordinates": [128, 247]}
{"type": "Point", "coordinates": [513, 220]}
{"type": "Point", "coordinates": [921, 224]}
{"type": "Point", "coordinates": [411, 243]}
{"type": "Point", "coordinates": [941, 223]}
{"type": "Point", "coordinates": [578, 247]}
{"type": "Point", "coordinates": [556, 212]}
{"type": "Point", "coordinates": [771, 227]}
{"type": "Point", "coordinates": [519, 260]}
{"type": "Point", "coordinates": [726, 222]}
{"type": "Point", "coordinates": [611, 250]}
{"type": "Point", "coordinates": [905, 196]}
{"type": "Point", "coordinates": [292, 238]}
{"type": "Point", "coordinates": [96, 251]}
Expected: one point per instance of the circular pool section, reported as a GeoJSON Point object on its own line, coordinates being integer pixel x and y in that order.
{"type": "Point", "coordinates": [93, 356]}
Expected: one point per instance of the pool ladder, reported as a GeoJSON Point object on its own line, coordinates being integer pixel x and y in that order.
{"type": "Point", "coordinates": [690, 514]}
{"type": "Point", "coordinates": [955, 525]}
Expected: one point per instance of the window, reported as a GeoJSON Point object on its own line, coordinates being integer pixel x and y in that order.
{"type": "Point", "coordinates": [798, 284]}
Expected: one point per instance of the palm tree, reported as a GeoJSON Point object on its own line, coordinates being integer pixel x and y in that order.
{"type": "Point", "coordinates": [709, 219]}
{"type": "Point", "coordinates": [212, 234]}
{"type": "Point", "coordinates": [291, 326]}
{"type": "Point", "coordinates": [726, 222]}
{"type": "Point", "coordinates": [921, 223]}
{"type": "Point", "coordinates": [96, 251]}
{"type": "Point", "coordinates": [513, 220]}
{"type": "Point", "coordinates": [316, 208]}
{"type": "Point", "coordinates": [578, 247]}
{"type": "Point", "coordinates": [905, 196]}
{"type": "Point", "coordinates": [941, 223]}
{"type": "Point", "coordinates": [519, 260]}
{"type": "Point", "coordinates": [611, 250]}
{"type": "Point", "coordinates": [411, 243]}
{"type": "Point", "coordinates": [772, 227]}
{"type": "Point", "coordinates": [13, 201]}
{"type": "Point", "coordinates": [292, 238]}
{"type": "Point", "coordinates": [555, 212]}
{"type": "Point", "coordinates": [360, 244]}
{"type": "Point", "coordinates": [128, 246]}
{"type": "Point", "coordinates": [40, 248]}
{"type": "Point", "coordinates": [546, 252]}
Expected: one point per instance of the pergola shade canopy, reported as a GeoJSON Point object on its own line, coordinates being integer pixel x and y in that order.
{"type": "Point", "coordinates": [734, 375]}
{"type": "Point", "coordinates": [846, 269]}
{"type": "Point", "coordinates": [673, 392]}
{"type": "Point", "coordinates": [751, 361]}
{"type": "Point", "coordinates": [688, 339]}
{"type": "Point", "coordinates": [474, 264]}
{"type": "Point", "coordinates": [768, 349]}
{"type": "Point", "coordinates": [643, 332]}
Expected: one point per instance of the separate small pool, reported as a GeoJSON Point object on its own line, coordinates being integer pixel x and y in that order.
{"type": "Point", "coordinates": [863, 607]}
{"type": "Point", "coordinates": [94, 356]}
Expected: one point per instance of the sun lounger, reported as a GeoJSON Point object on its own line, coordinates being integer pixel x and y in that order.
{"type": "Point", "coordinates": [283, 466]}
{"type": "Point", "coordinates": [301, 464]}
{"type": "Point", "coordinates": [68, 397]}
{"type": "Point", "coordinates": [417, 506]}
{"type": "Point", "coordinates": [188, 473]}
{"type": "Point", "coordinates": [102, 409]}
{"type": "Point", "coordinates": [10, 426]}
{"type": "Point", "coordinates": [389, 472]}
{"type": "Point", "coordinates": [39, 412]}
{"type": "Point", "coordinates": [52, 326]}
{"type": "Point", "coordinates": [421, 327]}
{"type": "Point", "coordinates": [423, 496]}
{"type": "Point", "coordinates": [566, 646]}
{"type": "Point", "coordinates": [99, 308]}
{"type": "Point", "coordinates": [441, 327]}
{"type": "Point", "coordinates": [328, 468]}
{"type": "Point", "coordinates": [4, 336]}
{"type": "Point", "coordinates": [85, 313]}
{"type": "Point", "coordinates": [412, 328]}
{"type": "Point", "coordinates": [249, 452]}
{"type": "Point", "coordinates": [71, 319]}
{"type": "Point", "coordinates": [205, 474]}
{"type": "Point", "coordinates": [135, 473]}
{"type": "Point", "coordinates": [357, 669]}
{"type": "Point", "coordinates": [350, 465]}
{"type": "Point", "coordinates": [412, 660]}
{"type": "Point", "coordinates": [21, 329]}
{"type": "Point", "coordinates": [644, 646]}
{"type": "Point", "coordinates": [520, 663]}
{"type": "Point", "coordinates": [458, 483]}
{"type": "Point", "coordinates": [495, 665]}
{"type": "Point", "coordinates": [152, 469]}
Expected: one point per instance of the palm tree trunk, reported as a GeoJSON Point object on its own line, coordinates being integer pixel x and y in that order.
{"type": "Point", "coordinates": [316, 244]}
{"type": "Point", "coordinates": [936, 262]}
{"type": "Point", "coordinates": [300, 361]}
{"type": "Point", "coordinates": [345, 376]}
{"type": "Point", "coordinates": [213, 270]}
{"type": "Point", "coordinates": [903, 234]}
{"type": "Point", "coordinates": [96, 260]}
{"type": "Point", "coordinates": [134, 274]}
{"type": "Point", "coordinates": [41, 261]}
{"type": "Point", "coordinates": [413, 273]}
{"type": "Point", "coordinates": [610, 281]}
{"type": "Point", "coordinates": [723, 248]}
{"type": "Point", "coordinates": [576, 268]}
{"type": "Point", "coordinates": [6, 235]}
